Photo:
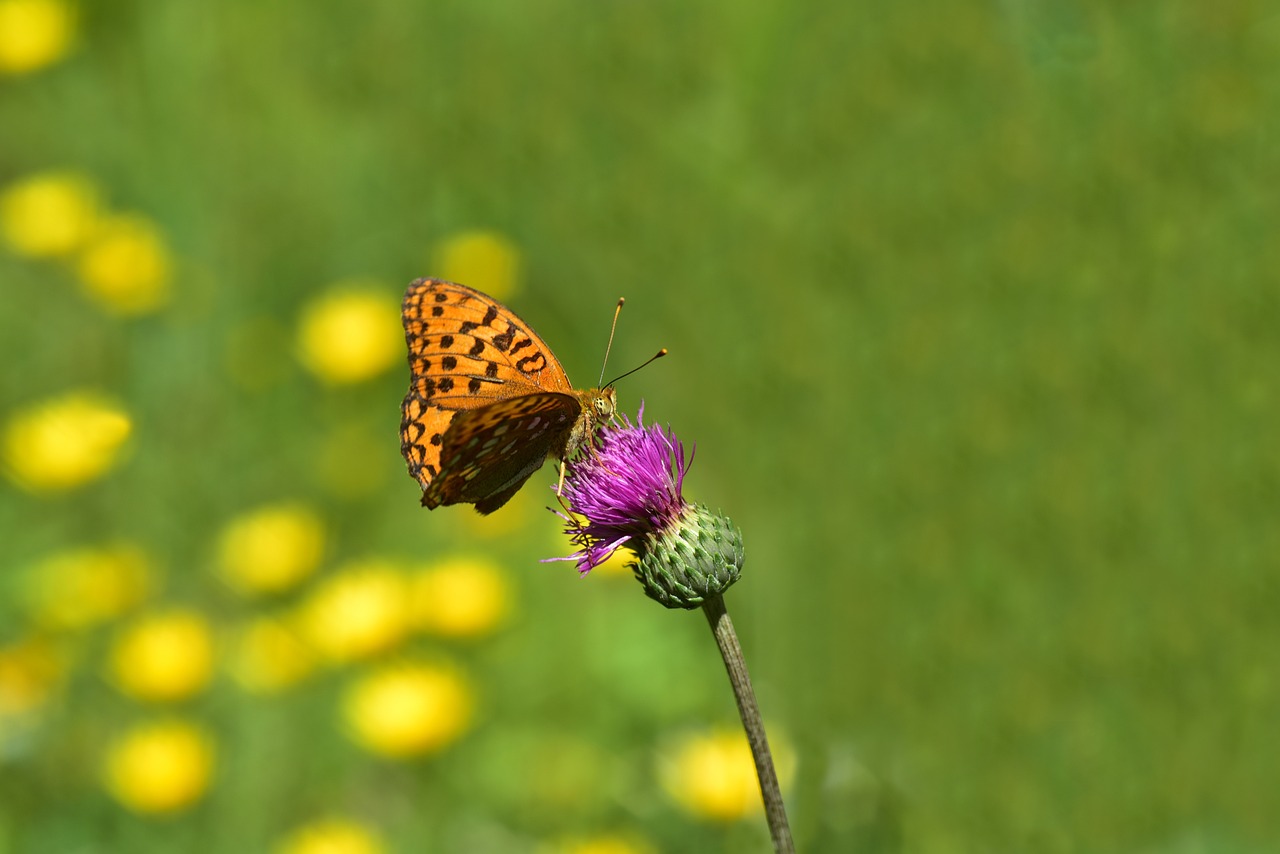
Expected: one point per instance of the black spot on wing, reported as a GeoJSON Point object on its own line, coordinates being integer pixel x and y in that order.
{"type": "Point", "coordinates": [532, 364]}
{"type": "Point", "coordinates": [503, 341]}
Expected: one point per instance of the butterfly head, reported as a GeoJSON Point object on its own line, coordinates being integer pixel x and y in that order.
{"type": "Point", "coordinates": [598, 407]}
{"type": "Point", "coordinates": [605, 402]}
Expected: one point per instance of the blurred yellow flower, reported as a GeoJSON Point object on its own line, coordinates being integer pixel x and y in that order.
{"type": "Point", "coordinates": [332, 836]}
{"type": "Point", "coordinates": [34, 33]}
{"type": "Point", "coordinates": [267, 656]}
{"type": "Point", "coordinates": [360, 610]}
{"type": "Point", "coordinates": [271, 548]}
{"type": "Point", "coordinates": [64, 441]}
{"type": "Point", "coordinates": [712, 774]}
{"type": "Point", "coordinates": [405, 710]}
{"type": "Point", "coordinates": [485, 260]}
{"type": "Point", "coordinates": [463, 597]}
{"type": "Point", "coordinates": [126, 266]}
{"type": "Point", "coordinates": [166, 655]}
{"type": "Point", "coordinates": [160, 767]}
{"type": "Point", "coordinates": [351, 334]}
{"type": "Point", "coordinates": [50, 213]}
{"type": "Point", "coordinates": [78, 588]}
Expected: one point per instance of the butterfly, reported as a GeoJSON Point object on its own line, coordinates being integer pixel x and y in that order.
{"type": "Point", "coordinates": [488, 401]}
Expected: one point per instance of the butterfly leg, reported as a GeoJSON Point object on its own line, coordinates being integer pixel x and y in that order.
{"type": "Point", "coordinates": [564, 505]}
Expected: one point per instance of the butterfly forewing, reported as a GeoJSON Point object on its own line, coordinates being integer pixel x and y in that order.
{"type": "Point", "coordinates": [487, 401]}
{"type": "Point", "coordinates": [422, 429]}
{"type": "Point", "coordinates": [465, 347]}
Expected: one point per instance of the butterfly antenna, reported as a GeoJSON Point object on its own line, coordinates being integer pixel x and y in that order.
{"type": "Point", "coordinates": [612, 328]}
{"type": "Point", "coordinates": [655, 357]}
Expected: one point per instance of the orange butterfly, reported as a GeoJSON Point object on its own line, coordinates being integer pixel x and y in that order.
{"type": "Point", "coordinates": [488, 401]}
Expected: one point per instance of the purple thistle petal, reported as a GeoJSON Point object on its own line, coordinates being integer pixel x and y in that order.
{"type": "Point", "coordinates": [628, 486]}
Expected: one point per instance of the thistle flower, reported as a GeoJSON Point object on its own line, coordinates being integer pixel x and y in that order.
{"type": "Point", "coordinates": [627, 491]}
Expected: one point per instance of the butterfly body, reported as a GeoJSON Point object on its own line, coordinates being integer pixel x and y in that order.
{"type": "Point", "coordinates": [488, 401]}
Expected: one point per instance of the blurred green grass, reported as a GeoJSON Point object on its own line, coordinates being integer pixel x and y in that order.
{"type": "Point", "coordinates": [972, 316]}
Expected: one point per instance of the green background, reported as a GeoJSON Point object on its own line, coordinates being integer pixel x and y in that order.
{"type": "Point", "coordinates": [972, 314]}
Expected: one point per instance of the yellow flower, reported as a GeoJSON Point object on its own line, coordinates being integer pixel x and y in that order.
{"type": "Point", "coordinates": [271, 548]}
{"type": "Point", "coordinates": [33, 34]}
{"type": "Point", "coordinates": [332, 836]}
{"type": "Point", "coordinates": [126, 266]}
{"type": "Point", "coordinates": [485, 260]}
{"type": "Point", "coordinates": [160, 767]}
{"type": "Point", "coordinates": [267, 657]}
{"type": "Point", "coordinates": [351, 334]}
{"type": "Point", "coordinates": [51, 213]}
{"type": "Point", "coordinates": [64, 441]}
{"type": "Point", "coordinates": [78, 588]}
{"type": "Point", "coordinates": [163, 656]}
{"type": "Point", "coordinates": [360, 610]}
{"type": "Point", "coordinates": [713, 775]}
{"type": "Point", "coordinates": [406, 710]}
{"type": "Point", "coordinates": [464, 597]}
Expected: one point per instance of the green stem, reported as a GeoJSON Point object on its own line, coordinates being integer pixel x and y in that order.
{"type": "Point", "coordinates": [727, 639]}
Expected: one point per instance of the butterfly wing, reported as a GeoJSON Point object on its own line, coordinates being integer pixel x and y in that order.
{"type": "Point", "coordinates": [422, 429]}
{"type": "Point", "coordinates": [466, 350]}
{"type": "Point", "coordinates": [470, 354]}
{"type": "Point", "coordinates": [487, 454]}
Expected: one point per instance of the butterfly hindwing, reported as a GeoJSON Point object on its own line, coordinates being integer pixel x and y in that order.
{"type": "Point", "coordinates": [488, 453]}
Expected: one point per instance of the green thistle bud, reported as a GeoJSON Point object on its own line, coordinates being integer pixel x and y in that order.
{"type": "Point", "coordinates": [692, 558]}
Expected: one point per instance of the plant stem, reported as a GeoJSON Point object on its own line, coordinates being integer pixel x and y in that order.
{"type": "Point", "coordinates": [727, 639]}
